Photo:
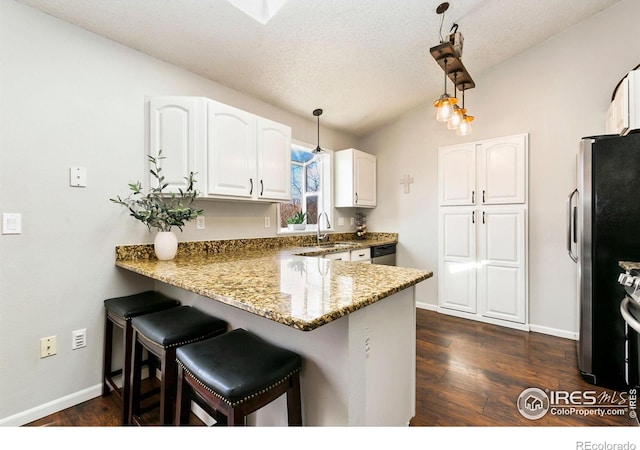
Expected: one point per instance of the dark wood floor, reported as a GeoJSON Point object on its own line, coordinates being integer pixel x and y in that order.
{"type": "Point", "coordinates": [468, 374]}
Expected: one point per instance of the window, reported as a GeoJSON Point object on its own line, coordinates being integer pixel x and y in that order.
{"type": "Point", "coordinates": [310, 182]}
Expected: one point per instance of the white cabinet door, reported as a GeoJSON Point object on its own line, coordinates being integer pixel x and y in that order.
{"type": "Point", "coordinates": [501, 263]}
{"type": "Point", "coordinates": [176, 127]}
{"type": "Point", "coordinates": [457, 267]}
{"type": "Point", "coordinates": [355, 179]}
{"type": "Point", "coordinates": [231, 149]}
{"type": "Point", "coordinates": [274, 161]}
{"type": "Point", "coordinates": [457, 175]}
{"type": "Point", "coordinates": [502, 170]}
{"type": "Point", "coordinates": [364, 179]}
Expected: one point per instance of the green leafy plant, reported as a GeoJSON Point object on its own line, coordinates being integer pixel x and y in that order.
{"type": "Point", "coordinates": [159, 209]}
{"type": "Point", "coordinates": [297, 217]}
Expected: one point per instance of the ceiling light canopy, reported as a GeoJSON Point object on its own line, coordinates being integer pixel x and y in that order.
{"type": "Point", "coordinates": [260, 10]}
{"type": "Point", "coordinates": [448, 55]}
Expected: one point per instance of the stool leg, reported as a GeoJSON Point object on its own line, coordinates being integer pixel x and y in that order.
{"type": "Point", "coordinates": [294, 406]}
{"type": "Point", "coordinates": [236, 417]}
{"type": "Point", "coordinates": [136, 380]}
{"type": "Point", "coordinates": [183, 399]}
{"type": "Point", "coordinates": [168, 386]}
{"type": "Point", "coordinates": [107, 355]}
{"type": "Point", "coordinates": [126, 370]}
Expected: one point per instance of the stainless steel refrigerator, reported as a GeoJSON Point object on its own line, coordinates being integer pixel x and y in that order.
{"type": "Point", "coordinates": [603, 228]}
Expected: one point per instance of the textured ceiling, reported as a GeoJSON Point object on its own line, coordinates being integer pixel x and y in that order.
{"type": "Point", "coordinates": [363, 61]}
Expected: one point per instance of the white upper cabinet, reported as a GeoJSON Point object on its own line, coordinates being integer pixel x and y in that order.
{"type": "Point", "coordinates": [176, 128]}
{"type": "Point", "coordinates": [236, 154]}
{"type": "Point", "coordinates": [355, 179]}
{"type": "Point", "coordinates": [502, 170]}
{"type": "Point", "coordinates": [489, 172]}
{"type": "Point", "coordinates": [623, 115]}
{"type": "Point", "coordinates": [273, 160]}
{"type": "Point", "coordinates": [457, 175]}
{"type": "Point", "coordinates": [231, 151]}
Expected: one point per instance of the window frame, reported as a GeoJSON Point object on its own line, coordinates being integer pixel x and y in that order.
{"type": "Point", "coordinates": [325, 194]}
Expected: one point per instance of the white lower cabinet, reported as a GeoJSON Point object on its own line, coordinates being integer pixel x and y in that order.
{"type": "Point", "coordinates": [482, 263]}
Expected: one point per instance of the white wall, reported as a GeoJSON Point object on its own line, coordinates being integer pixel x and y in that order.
{"type": "Point", "coordinates": [558, 92]}
{"type": "Point", "coordinates": [71, 98]}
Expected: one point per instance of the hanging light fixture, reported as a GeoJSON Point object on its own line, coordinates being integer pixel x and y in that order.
{"type": "Point", "coordinates": [448, 55]}
{"type": "Point", "coordinates": [318, 113]}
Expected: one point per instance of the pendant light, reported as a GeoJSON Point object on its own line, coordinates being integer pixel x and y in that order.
{"type": "Point", "coordinates": [444, 104]}
{"type": "Point", "coordinates": [456, 114]}
{"type": "Point", "coordinates": [318, 113]}
{"type": "Point", "coordinates": [465, 123]}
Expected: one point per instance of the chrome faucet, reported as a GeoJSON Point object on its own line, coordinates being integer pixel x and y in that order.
{"type": "Point", "coordinates": [322, 237]}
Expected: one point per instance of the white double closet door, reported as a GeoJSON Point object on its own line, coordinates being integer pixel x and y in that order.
{"type": "Point", "coordinates": [483, 266]}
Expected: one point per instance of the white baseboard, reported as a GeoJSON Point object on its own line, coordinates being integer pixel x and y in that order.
{"type": "Point", "coordinates": [524, 327]}
{"type": "Point", "coordinates": [54, 406]}
{"type": "Point", "coordinates": [555, 332]}
{"type": "Point", "coordinates": [428, 306]}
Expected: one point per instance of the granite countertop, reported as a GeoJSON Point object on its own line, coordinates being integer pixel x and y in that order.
{"type": "Point", "coordinates": [629, 265]}
{"type": "Point", "coordinates": [276, 280]}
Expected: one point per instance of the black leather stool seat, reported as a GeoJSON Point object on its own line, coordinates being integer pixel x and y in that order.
{"type": "Point", "coordinates": [242, 372]}
{"type": "Point", "coordinates": [161, 333]}
{"type": "Point", "coordinates": [238, 364]}
{"type": "Point", "coordinates": [139, 304]}
{"type": "Point", "coordinates": [178, 326]}
{"type": "Point", "coordinates": [119, 311]}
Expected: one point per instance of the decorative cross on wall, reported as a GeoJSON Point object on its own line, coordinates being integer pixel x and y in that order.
{"type": "Point", "coordinates": [406, 180]}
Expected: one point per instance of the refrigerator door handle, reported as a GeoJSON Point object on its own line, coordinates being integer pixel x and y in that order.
{"type": "Point", "coordinates": [571, 225]}
{"type": "Point", "coordinates": [625, 305]}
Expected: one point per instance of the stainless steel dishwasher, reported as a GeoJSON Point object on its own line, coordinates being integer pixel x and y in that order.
{"type": "Point", "coordinates": [384, 254]}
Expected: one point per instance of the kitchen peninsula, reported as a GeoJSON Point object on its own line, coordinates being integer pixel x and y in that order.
{"type": "Point", "coordinates": [353, 323]}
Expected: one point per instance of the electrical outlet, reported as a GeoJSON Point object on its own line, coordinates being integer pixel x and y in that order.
{"type": "Point", "coordinates": [352, 220]}
{"type": "Point", "coordinates": [200, 223]}
{"type": "Point", "coordinates": [267, 222]}
{"type": "Point", "coordinates": [79, 339]}
{"type": "Point", "coordinates": [340, 221]}
{"type": "Point", "coordinates": [47, 346]}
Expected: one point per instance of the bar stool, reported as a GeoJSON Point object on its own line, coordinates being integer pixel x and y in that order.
{"type": "Point", "coordinates": [236, 374]}
{"type": "Point", "coordinates": [161, 333]}
{"type": "Point", "coordinates": [119, 311]}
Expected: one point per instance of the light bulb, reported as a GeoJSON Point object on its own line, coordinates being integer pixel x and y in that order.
{"type": "Point", "coordinates": [465, 126]}
{"type": "Point", "coordinates": [444, 107]}
{"type": "Point", "coordinates": [456, 118]}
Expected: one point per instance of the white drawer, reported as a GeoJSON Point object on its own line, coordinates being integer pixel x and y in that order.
{"type": "Point", "coordinates": [342, 256]}
{"type": "Point", "coordinates": [361, 254]}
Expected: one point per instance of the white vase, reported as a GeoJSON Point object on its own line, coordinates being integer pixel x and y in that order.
{"type": "Point", "coordinates": [165, 245]}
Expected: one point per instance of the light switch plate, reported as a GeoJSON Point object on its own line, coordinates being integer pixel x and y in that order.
{"type": "Point", "coordinates": [78, 176]}
{"type": "Point", "coordinates": [11, 223]}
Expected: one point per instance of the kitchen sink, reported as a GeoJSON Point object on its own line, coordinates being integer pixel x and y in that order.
{"type": "Point", "coordinates": [335, 245]}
